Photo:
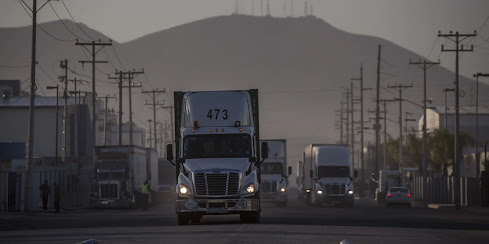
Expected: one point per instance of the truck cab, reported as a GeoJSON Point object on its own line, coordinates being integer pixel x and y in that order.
{"type": "Point", "coordinates": [217, 154]}
{"type": "Point", "coordinates": [274, 173]}
{"type": "Point", "coordinates": [330, 174]}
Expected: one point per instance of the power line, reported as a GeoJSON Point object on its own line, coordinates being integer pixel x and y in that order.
{"type": "Point", "coordinates": [46, 73]}
{"type": "Point", "coordinates": [45, 31]}
{"type": "Point", "coordinates": [14, 66]}
{"type": "Point", "coordinates": [62, 22]}
{"type": "Point", "coordinates": [76, 21]}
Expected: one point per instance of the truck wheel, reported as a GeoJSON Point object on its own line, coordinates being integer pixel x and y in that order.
{"type": "Point", "coordinates": [183, 218]}
{"type": "Point", "coordinates": [195, 218]}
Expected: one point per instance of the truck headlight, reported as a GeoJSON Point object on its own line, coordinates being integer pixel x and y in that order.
{"type": "Point", "coordinates": [250, 188]}
{"type": "Point", "coordinates": [183, 189]}
{"type": "Point", "coordinates": [282, 189]}
{"type": "Point", "coordinates": [350, 191]}
{"type": "Point", "coordinates": [320, 192]}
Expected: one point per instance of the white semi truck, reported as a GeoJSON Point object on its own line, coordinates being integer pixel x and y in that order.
{"type": "Point", "coordinates": [217, 154]}
{"type": "Point", "coordinates": [328, 175]}
{"type": "Point", "coordinates": [119, 172]}
{"type": "Point", "coordinates": [274, 173]}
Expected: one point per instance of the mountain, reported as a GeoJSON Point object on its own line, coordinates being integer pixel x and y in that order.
{"type": "Point", "coordinates": [299, 64]}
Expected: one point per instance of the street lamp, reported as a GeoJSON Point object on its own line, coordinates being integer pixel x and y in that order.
{"type": "Point", "coordinates": [56, 145]}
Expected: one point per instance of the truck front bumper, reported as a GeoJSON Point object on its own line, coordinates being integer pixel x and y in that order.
{"type": "Point", "coordinates": [336, 198]}
{"type": "Point", "coordinates": [217, 206]}
{"type": "Point", "coordinates": [274, 197]}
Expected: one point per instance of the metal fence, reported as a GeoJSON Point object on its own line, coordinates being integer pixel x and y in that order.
{"type": "Point", "coordinates": [441, 190]}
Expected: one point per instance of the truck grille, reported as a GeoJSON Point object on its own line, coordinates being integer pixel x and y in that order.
{"type": "Point", "coordinates": [108, 191]}
{"type": "Point", "coordinates": [268, 186]}
{"type": "Point", "coordinates": [216, 184]}
{"type": "Point", "coordinates": [335, 189]}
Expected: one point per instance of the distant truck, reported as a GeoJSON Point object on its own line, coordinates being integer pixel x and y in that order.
{"type": "Point", "coordinates": [217, 154]}
{"type": "Point", "coordinates": [274, 173]}
{"type": "Point", "coordinates": [119, 173]}
{"type": "Point", "coordinates": [387, 179]}
{"type": "Point", "coordinates": [300, 180]}
{"type": "Point", "coordinates": [328, 174]}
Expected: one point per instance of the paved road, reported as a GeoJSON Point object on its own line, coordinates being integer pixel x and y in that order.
{"type": "Point", "coordinates": [297, 223]}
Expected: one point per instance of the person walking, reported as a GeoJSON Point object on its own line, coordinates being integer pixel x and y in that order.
{"type": "Point", "coordinates": [45, 194]}
{"type": "Point", "coordinates": [57, 196]}
{"type": "Point", "coordinates": [145, 190]}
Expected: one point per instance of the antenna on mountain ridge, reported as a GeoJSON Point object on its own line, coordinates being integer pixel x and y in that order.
{"type": "Point", "coordinates": [237, 7]}
{"type": "Point", "coordinates": [291, 8]}
{"type": "Point", "coordinates": [268, 7]}
{"type": "Point", "coordinates": [305, 8]}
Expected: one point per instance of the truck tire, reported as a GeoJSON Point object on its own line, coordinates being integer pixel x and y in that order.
{"type": "Point", "coordinates": [195, 218]}
{"type": "Point", "coordinates": [183, 218]}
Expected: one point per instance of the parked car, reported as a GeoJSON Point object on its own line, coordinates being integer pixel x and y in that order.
{"type": "Point", "coordinates": [398, 196]}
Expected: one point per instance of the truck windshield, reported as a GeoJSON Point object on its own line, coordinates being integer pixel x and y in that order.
{"type": "Point", "coordinates": [217, 146]}
{"type": "Point", "coordinates": [271, 168]}
{"type": "Point", "coordinates": [333, 171]}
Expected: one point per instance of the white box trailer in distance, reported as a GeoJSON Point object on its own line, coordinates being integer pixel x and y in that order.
{"type": "Point", "coordinates": [328, 174]}
{"type": "Point", "coordinates": [274, 173]}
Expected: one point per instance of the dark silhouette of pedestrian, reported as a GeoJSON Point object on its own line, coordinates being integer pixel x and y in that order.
{"type": "Point", "coordinates": [45, 194]}
{"type": "Point", "coordinates": [145, 190]}
{"type": "Point", "coordinates": [57, 196]}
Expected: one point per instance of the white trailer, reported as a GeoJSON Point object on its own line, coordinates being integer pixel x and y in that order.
{"type": "Point", "coordinates": [119, 173]}
{"type": "Point", "coordinates": [274, 173]}
{"type": "Point", "coordinates": [217, 154]}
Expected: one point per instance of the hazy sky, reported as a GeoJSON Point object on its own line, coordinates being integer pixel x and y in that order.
{"type": "Point", "coordinates": [413, 24]}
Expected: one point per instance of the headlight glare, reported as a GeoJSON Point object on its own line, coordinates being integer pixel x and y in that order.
{"type": "Point", "coordinates": [282, 189]}
{"type": "Point", "coordinates": [320, 192]}
{"type": "Point", "coordinates": [250, 188]}
{"type": "Point", "coordinates": [183, 189]}
{"type": "Point", "coordinates": [350, 191]}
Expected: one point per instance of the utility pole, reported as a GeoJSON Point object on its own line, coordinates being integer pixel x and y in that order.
{"type": "Point", "coordinates": [155, 93]}
{"type": "Point", "coordinates": [64, 65]}
{"type": "Point", "coordinates": [445, 90]}
{"type": "Point", "coordinates": [385, 101]}
{"type": "Point", "coordinates": [120, 81]}
{"type": "Point", "coordinates": [377, 126]}
{"type": "Point", "coordinates": [347, 116]}
{"type": "Point", "coordinates": [341, 122]}
{"type": "Point", "coordinates": [352, 126]}
{"type": "Point", "coordinates": [171, 122]}
{"type": "Point", "coordinates": [107, 97]}
{"type": "Point", "coordinates": [32, 92]}
{"type": "Point", "coordinates": [150, 140]}
{"type": "Point", "coordinates": [75, 123]}
{"type": "Point", "coordinates": [477, 157]}
{"type": "Point", "coordinates": [406, 129]}
{"type": "Point", "coordinates": [93, 52]}
{"type": "Point", "coordinates": [424, 65]}
{"type": "Point", "coordinates": [400, 88]}
{"type": "Point", "coordinates": [362, 127]}
{"type": "Point", "coordinates": [56, 141]}
{"type": "Point", "coordinates": [458, 38]}
{"type": "Point", "coordinates": [130, 76]}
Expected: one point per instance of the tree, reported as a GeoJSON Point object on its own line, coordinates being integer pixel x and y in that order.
{"type": "Point", "coordinates": [441, 148]}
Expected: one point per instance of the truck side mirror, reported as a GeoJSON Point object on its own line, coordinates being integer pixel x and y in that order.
{"type": "Point", "coordinates": [289, 172]}
{"type": "Point", "coordinates": [264, 150]}
{"type": "Point", "coordinates": [169, 152]}
{"type": "Point", "coordinates": [355, 174]}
